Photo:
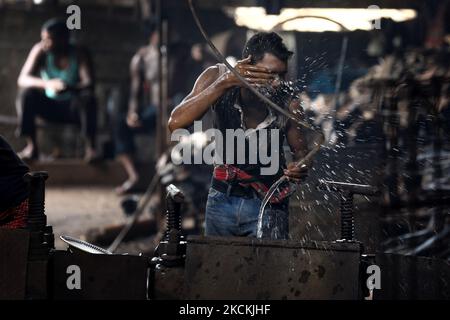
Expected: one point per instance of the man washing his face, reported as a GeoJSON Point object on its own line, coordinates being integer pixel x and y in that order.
{"type": "Point", "coordinates": [237, 189]}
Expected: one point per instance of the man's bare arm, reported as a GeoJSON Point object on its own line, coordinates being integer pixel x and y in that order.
{"type": "Point", "coordinates": [135, 82]}
{"type": "Point", "coordinates": [209, 87]}
{"type": "Point", "coordinates": [205, 92]}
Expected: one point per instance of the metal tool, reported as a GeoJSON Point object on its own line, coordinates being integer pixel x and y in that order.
{"type": "Point", "coordinates": [83, 245]}
{"type": "Point", "coordinates": [347, 190]}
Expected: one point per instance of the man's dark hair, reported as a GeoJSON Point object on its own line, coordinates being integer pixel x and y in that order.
{"type": "Point", "coordinates": [57, 28]}
{"type": "Point", "coordinates": [149, 26]}
{"type": "Point", "coordinates": [266, 42]}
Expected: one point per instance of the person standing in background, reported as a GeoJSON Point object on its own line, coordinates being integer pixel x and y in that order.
{"type": "Point", "coordinates": [142, 108]}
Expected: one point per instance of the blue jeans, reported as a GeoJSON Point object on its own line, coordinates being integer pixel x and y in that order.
{"type": "Point", "coordinates": [236, 216]}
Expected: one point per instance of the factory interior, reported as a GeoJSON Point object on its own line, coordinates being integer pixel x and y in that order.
{"type": "Point", "coordinates": [113, 184]}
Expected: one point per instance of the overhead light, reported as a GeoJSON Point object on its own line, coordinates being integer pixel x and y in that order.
{"type": "Point", "coordinates": [317, 19]}
{"type": "Point", "coordinates": [38, 1]}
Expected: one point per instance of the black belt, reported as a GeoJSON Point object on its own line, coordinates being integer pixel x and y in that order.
{"type": "Point", "coordinates": [233, 189]}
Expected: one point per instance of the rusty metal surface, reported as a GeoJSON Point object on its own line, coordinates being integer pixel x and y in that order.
{"type": "Point", "coordinates": [168, 283]}
{"type": "Point", "coordinates": [411, 277]}
{"type": "Point", "coordinates": [13, 263]}
{"type": "Point", "coordinates": [102, 276]}
{"type": "Point", "coordinates": [248, 268]}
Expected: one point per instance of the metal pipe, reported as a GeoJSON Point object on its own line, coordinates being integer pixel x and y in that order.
{"type": "Point", "coordinates": [307, 159]}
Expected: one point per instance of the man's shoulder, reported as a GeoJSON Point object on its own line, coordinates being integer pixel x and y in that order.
{"type": "Point", "coordinates": [142, 51]}
{"type": "Point", "coordinates": [208, 76]}
{"type": "Point", "coordinates": [221, 68]}
{"type": "Point", "coordinates": [213, 70]}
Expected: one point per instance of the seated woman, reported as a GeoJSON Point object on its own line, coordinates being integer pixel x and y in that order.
{"type": "Point", "coordinates": [13, 189]}
{"type": "Point", "coordinates": [58, 81]}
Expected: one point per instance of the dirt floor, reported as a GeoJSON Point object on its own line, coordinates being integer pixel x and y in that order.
{"type": "Point", "coordinates": [78, 211]}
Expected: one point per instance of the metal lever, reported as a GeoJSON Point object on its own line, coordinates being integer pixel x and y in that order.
{"type": "Point", "coordinates": [174, 200]}
{"type": "Point", "coordinates": [347, 190]}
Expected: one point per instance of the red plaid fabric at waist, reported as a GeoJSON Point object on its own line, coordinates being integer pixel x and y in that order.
{"type": "Point", "coordinates": [16, 217]}
{"type": "Point", "coordinates": [232, 174]}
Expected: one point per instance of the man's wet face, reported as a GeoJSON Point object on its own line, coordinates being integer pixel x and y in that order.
{"type": "Point", "coordinates": [273, 64]}
{"type": "Point", "coordinates": [278, 68]}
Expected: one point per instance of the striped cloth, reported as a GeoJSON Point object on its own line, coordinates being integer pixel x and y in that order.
{"type": "Point", "coordinates": [229, 173]}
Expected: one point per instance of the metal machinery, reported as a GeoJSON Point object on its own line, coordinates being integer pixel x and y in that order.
{"type": "Point", "coordinates": [196, 268]}
{"type": "Point", "coordinates": [414, 216]}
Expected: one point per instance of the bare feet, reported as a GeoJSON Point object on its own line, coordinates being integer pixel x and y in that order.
{"type": "Point", "coordinates": [90, 155]}
{"type": "Point", "coordinates": [133, 176]}
{"type": "Point", "coordinates": [29, 153]}
{"type": "Point", "coordinates": [127, 186]}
